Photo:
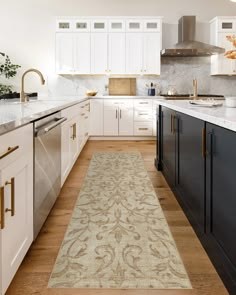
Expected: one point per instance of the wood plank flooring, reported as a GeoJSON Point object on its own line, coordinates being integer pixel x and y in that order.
{"type": "Point", "coordinates": [33, 274]}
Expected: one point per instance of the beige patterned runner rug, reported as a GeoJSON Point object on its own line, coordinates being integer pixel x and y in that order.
{"type": "Point", "coordinates": [118, 236]}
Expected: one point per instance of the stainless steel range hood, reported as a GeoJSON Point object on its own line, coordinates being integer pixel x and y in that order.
{"type": "Point", "coordinates": [187, 46]}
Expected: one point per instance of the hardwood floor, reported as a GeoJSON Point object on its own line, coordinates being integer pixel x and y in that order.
{"type": "Point", "coordinates": [33, 275]}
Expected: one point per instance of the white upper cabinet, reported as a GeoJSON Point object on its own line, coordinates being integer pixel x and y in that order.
{"type": "Point", "coordinates": [64, 53]}
{"type": "Point", "coordinates": [82, 58]}
{"type": "Point", "coordinates": [99, 53]}
{"type": "Point", "coordinates": [134, 53]}
{"type": "Point", "coordinates": [73, 53]}
{"type": "Point", "coordinates": [221, 28]}
{"type": "Point", "coordinates": [108, 46]}
{"type": "Point", "coordinates": [116, 53]}
{"type": "Point", "coordinates": [151, 53]}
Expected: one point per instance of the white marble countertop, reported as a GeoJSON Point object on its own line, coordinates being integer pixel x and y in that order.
{"type": "Point", "coordinates": [126, 97]}
{"type": "Point", "coordinates": [14, 114]}
{"type": "Point", "coordinates": [219, 115]}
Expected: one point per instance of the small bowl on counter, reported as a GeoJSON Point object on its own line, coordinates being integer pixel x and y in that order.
{"type": "Point", "coordinates": [230, 101]}
{"type": "Point", "coordinates": [91, 92]}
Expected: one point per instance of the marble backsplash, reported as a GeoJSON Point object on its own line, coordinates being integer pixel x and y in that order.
{"type": "Point", "coordinates": [176, 71]}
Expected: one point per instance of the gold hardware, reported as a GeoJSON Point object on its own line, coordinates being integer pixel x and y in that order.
{"type": "Point", "coordinates": [12, 183]}
{"type": "Point", "coordinates": [203, 142]}
{"type": "Point", "coordinates": [86, 134]}
{"type": "Point", "coordinates": [143, 129]}
{"type": "Point", "coordinates": [82, 114]}
{"type": "Point", "coordinates": [171, 123]}
{"type": "Point", "coordinates": [116, 114]}
{"type": "Point", "coordinates": [2, 216]}
{"type": "Point", "coordinates": [23, 96]}
{"type": "Point", "coordinates": [9, 151]}
{"type": "Point", "coordinates": [86, 117]}
{"type": "Point", "coordinates": [120, 114]}
{"type": "Point", "coordinates": [73, 131]}
{"type": "Point", "coordinates": [143, 102]}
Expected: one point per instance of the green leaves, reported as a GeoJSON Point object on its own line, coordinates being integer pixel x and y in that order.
{"type": "Point", "coordinates": [7, 68]}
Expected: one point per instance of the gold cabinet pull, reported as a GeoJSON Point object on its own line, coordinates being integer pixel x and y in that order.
{"type": "Point", "coordinates": [82, 114]}
{"type": "Point", "coordinates": [203, 142]}
{"type": "Point", "coordinates": [86, 134]}
{"type": "Point", "coordinates": [143, 129]}
{"type": "Point", "coordinates": [12, 183]}
{"type": "Point", "coordinates": [86, 117]}
{"type": "Point", "coordinates": [2, 216]}
{"type": "Point", "coordinates": [9, 151]}
{"type": "Point", "coordinates": [171, 123]}
{"type": "Point", "coordinates": [73, 131]}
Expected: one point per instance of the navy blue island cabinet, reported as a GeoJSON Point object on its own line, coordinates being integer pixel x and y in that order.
{"type": "Point", "coordinates": [198, 160]}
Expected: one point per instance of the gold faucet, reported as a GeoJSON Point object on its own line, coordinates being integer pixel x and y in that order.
{"type": "Point", "coordinates": [23, 96]}
{"type": "Point", "coordinates": [194, 88]}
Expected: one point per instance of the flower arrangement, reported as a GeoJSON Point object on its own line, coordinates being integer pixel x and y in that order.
{"type": "Point", "coordinates": [231, 54]}
{"type": "Point", "coordinates": [8, 70]}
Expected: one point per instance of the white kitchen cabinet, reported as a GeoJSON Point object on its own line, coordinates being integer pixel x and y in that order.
{"type": "Point", "coordinates": [220, 27]}
{"type": "Point", "coordinates": [151, 53]}
{"type": "Point", "coordinates": [73, 53]}
{"type": "Point", "coordinates": [143, 117]}
{"type": "Point", "coordinates": [118, 117]}
{"type": "Point", "coordinates": [143, 53]}
{"type": "Point", "coordinates": [134, 53]}
{"type": "Point", "coordinates": [116, 53]}
{"type": "Point", "coordinates": [16, 193]}
{"type": "Point", "coordinates": [99, 53]}
{"type": "Point", "coordinates": [96, 117]}
{"type": "Point", "coordinates": [64, 53]}
{"type": "Point", "coordinates": [84, 124]}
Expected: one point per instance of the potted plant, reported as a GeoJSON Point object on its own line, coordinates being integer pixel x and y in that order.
{"type": "Point", "coordinates": [8, 70]}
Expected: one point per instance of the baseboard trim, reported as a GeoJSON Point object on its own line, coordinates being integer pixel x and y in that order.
{"type": "Point", "coordinates": [122, 138]}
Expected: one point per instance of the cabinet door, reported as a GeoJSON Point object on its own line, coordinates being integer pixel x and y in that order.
{"type": "Point", "coordinates": [82, 53]}
{"type": "Point", "coordinates": [96, 121]}
{"type": "Point", "coordinates": [190, 166]}
{"type": "Point", "coordinates": [226, 66]}
{"type": "Point", "coordinates": [221, 188]}
{"type": "Point", "coordinates": [151, 53]}
{"type": "Point", "coordinates": [134, 53]}
{"type": "Point", "coordinates": [64, 53]}
{"type": "Point", "coordinates": [99, 53]}
{"type": "Point", "coordinates": [116, 53]}
{"type": "Point", "coordinates": [110, 118]}
{"type": "Point", "coordinates": [74, 143]}
{"type": "Point", "coordinates": [17, 235]}
{"type": "Point", "coordinates": [168, 145]}
{"type": "Point", "coordinates": [126, 120]}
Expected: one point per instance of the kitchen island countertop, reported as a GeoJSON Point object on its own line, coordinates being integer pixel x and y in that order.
{"type": "Point", "coordinates": [219, 115]}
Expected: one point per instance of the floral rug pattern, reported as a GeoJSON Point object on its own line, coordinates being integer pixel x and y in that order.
{"type": "Point", "coordinates": [118, 236]}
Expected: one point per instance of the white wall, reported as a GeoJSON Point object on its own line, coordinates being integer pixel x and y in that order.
{"type": "Point", "coordinates": [27, 26]}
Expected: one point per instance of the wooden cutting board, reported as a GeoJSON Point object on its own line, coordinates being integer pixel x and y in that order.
{"type": "Point", "coordinates": [122, 86]}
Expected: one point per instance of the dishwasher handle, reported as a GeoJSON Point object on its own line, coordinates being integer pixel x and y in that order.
{"type": "Point", "coordinates": [43, 130]}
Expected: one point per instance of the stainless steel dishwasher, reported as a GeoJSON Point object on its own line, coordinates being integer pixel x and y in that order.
{"type": "Point", "coordinates": [47, 166]}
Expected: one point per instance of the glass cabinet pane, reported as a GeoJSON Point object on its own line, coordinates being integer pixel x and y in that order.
{"type": "Point", "coordinates": [116, 25]}
{"type": "Point", "coordinates": [134, 25]}
{"type": "Point", "coordinates": [99, 25]}
{"type": "Point", "coordinates": [227, 25]}
{"type": "Point", "coordinates": [81, 25]}
{"type": "Point", "coordinates": [64, 25]}
{"type": "Point", "coordinates": [151, 25]}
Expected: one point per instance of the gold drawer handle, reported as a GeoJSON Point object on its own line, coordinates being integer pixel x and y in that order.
{"type": "Point", "coordinates": [82, 107]}
{"type": "Point", "coordinates": [203, 142]}
{"type": "Point", "coordinates": [9, 151]}
{"type": "Point", "coordinates": [82, 114]}
{"type": "Point", "coordinates": [12, 183]}
{"type": "Point", "coordinates": [143, 102]}
{"type": "Point", "coordinates": [2, 216]}
{"type": "Point", "coordinates": [143, 129]}
{"type": "Point", "coordinates": [86, 134]}
{"type": "Point", "coordinates": [73, 131]}
{"type": "Point", "coordinates": [86, 117]}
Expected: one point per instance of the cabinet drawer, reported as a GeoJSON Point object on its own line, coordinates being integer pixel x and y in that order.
{"type": "Point", "coordinates": [15, 143]}
{"type": "Point", "coordinates": [143, 115]}
{"type": "Point", "coordinates": [143, 128]}
{"type": "Point", "coordinates": [143, 103]}
{"type": "Point", "coordinates": [84, 107]}
{"type": "Point", "coordinates": [70, 112]}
